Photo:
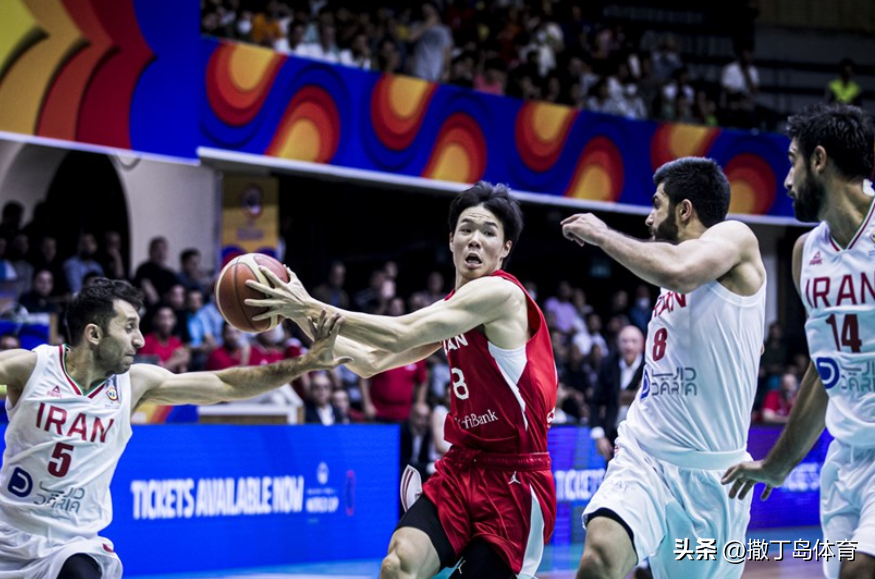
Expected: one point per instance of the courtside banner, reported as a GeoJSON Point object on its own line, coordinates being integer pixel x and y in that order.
{"type": "Point", "coordinates": [797, 502]}
{"type": "Point", "coordinates": [192, 498]}
{"type": "Point", "coordinates": [578, 470]}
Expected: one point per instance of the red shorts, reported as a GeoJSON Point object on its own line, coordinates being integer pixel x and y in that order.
{"type": "Point", "coordinates": [507, 500]}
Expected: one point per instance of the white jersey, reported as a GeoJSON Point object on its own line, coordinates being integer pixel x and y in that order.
{"type": "Point", "coordinates": [838, 290]}
{"type": "Point", "coordinates": [700, 377]}
{"type": "Point", "coordinates": [62, 448]}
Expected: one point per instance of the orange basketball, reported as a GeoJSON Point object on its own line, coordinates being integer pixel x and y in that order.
{"type": "Point", "coordinates": [231, 291]}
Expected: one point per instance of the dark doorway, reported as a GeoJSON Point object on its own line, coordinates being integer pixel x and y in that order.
{"type": "Point", "coordinates": [86, 196]}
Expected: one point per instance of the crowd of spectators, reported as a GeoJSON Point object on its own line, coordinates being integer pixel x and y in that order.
{"type": "Point", "coordinates": [555, 51]}
{"type": "Point", "coordinates": [598, 350]}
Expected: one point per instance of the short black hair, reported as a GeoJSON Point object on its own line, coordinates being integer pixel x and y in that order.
{"type": "Point", "coordinates": [95, 305]}
{"type": "Point", "coordinates": [188, 253]}
{"type": "Point", "coordinates": [699, 180]}
{"type": "Point", "coordinates": [846, 133]}
{"type": "Point", "coordinates": [495, 198]}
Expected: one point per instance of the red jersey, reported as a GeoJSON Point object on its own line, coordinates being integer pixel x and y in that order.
{"type": "Point", "coordinates": [153, 346]}
{"type": "Point", "coordinates": [502, 400]}
{"type": "Point", "coordinates": [392, 390]}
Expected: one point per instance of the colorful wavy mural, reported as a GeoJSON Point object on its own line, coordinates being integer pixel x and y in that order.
{"type": "Point", "coordinates": [91, 71]}
{"type": "Point", "coordinates": [263, 103]}
{"type": "Point", "coordinates": [121, 74]}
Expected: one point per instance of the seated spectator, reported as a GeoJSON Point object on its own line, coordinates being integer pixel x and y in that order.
{"type": "Point", "coordinates": [84, 262]}
{"type": "Point", "coordinates": [234, 351]}
{"type": "Point", "coordinates": [191, 276]}
{"type": "Point", "coordinates": [201, 340]}
{"type": "Point", "coordinates": [153, 276]}
{"type": "Point", "coordinates": [46, 257]}
{"type": "Point", "coordinates": [39, 299]}
{"type": "Point", "coordinates": [110, 256]}
{"type": "Point", "coordinates": [388, 396]}
{"type": "Point", "coordinates": [160, 346]}
{"type": "Point", "coordinates": [416, 442]}
{"type": "Point", "coordinates": [619, 379]}
{"type": "Point", "coordinates": [779, 403]}
{"type": "Point", "coordinates": [9, 341]}
{"type": "Point", "coordinates": [493, 78]}
{"type": "Point", "coordinates": [432, 45]}
{"type": "Point", "coordinates": [740, 81]}
{"type": "Point", "coordinates": [563, 310]}
{"type": "Point", "coordinates": [340, 400]}
{"type": "Point", "coordinates": [331, 290]}
{"type": "Point", "coordinates": [318, 408]}
{"type": "Point", "coordinates": [845, 89]}
{"type": "Point", "coordinates": [19, 249]}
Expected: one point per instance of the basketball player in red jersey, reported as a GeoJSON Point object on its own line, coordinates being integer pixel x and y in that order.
{"type": "Point", "coordinates": [491, 505]}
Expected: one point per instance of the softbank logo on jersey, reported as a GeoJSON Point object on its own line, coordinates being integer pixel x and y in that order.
{"type": "Point", "coordinates": [475, 420]}
{"type": "Point", "coordinates": [667, 302]}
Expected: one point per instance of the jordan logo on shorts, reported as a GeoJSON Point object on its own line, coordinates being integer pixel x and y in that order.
{"type": "Point", "coordinates": [514, 479]}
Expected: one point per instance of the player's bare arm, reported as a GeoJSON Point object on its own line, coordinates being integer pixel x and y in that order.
{"type": "Point", "coordinates": [492, 302]}
{"type": "Point", "coordinates": [806, 423]}
{"type": "Point", "coordinates": [16, 366]}
{"type": "Point", "coordinates": [155, 384]}
{"type": "Point", "coordinates": [727, 251]}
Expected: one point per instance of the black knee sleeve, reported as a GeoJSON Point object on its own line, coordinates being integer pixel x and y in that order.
{"type": "Point", "coordinates": [80, 567]}
{"type": "Point", "coordinates": [481, 560]}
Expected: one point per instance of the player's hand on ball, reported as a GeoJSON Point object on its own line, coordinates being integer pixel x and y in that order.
{"type": "Point", "coordinates": [583, 228]}
{"type": "Point", "coordinates": [325, 331]}
{"type": "Point", "coordinates": [289, 300]}
{"type": "Point", "coordinates": [745, 475]}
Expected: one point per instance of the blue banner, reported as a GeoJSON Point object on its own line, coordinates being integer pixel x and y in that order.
{"type": "Point", "coordinates": [202, 497]}
{"type": "Point", "coordinates": [219, 497]}
{"type": "Point", "coordinates": [797, 502]}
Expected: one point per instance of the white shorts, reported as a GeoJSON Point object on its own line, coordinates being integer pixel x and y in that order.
{"type": "Point", "coordinates": [847, 500]}
{"type": "Point", "coordinates": [27, 556]}
{"type": "Point", "coordinates": [664, 505]}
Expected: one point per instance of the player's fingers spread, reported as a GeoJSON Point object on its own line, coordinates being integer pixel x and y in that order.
{"type": "Point", "coordinates": [313, 329]}
{"type": "Point", "coordinates": [766, 492]}
{"type": "Point", "coordinates": [746, 489]}
{"type": "Point", "coordinates": [730, 475]}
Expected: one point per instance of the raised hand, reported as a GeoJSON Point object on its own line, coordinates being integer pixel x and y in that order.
{"type": "Point", "coordinates": [583, 228]}
{"type": "Point", "coordinates": [289, 300]}
{"type": "Point", "coordinates": [745, 475]}
{"type": "Point", "coordinates": [325, 331]}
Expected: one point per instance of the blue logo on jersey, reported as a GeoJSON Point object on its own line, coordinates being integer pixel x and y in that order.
{"type": "Point", "coordinates": [829, 371]}
{"type": "Point", "coordinates": [20, 483]}
{"type": "Point", "coordinates": [645, 384]}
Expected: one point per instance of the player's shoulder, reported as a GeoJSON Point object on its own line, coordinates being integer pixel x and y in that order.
{"type": "Point", "coordinates": [732, 228]}
{"type": "Point", "coordinates": [19, 359]}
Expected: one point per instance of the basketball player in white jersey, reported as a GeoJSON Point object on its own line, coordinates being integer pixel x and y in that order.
{"type": "Point", "coordinates": [70, 412]}
{"type": "Point", "coordinates": [690, 420]}
{"type": "Point", "coordinates": [834, 269]}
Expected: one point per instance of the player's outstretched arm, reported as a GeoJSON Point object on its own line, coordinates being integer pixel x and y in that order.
{"type": "Point", "coordinates": [16, 367]}
{"type": "Point", "coordinates": [482, 301]}
{"type": "Point", "coordinates": [679, 267]}
{"type": "Point", "coordinates": [807, 421]}
{"type": "Point", "coordinates": [155, 384]}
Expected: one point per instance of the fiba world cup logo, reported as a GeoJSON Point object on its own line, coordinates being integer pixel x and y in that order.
{"type": "Point", "coordinates": [252, 202]}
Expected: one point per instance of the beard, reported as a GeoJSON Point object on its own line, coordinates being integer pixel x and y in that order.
{"type": "Point", "coordinates": [667, 230]}
{"type": "Point", "coordinates": [809, 199]}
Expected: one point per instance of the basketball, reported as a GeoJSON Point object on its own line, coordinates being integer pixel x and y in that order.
{"type": "Point", "coordinates": [232, 291]}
